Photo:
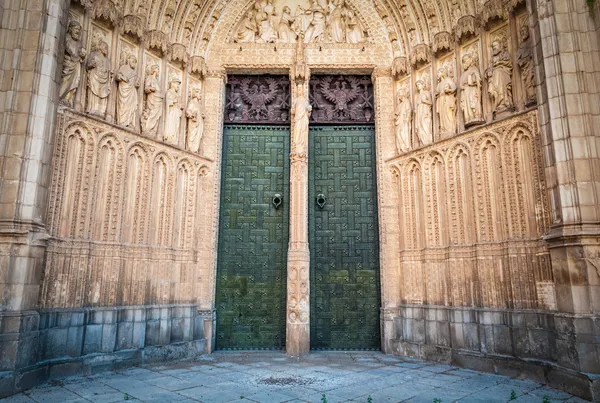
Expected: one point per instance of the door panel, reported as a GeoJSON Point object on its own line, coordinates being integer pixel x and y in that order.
{"type": "Point", "coordinates": [253, 238]}
{"type": "Point", "coordinates": [343, 239]}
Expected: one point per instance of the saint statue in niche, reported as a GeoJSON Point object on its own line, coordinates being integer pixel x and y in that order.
{"type": "Point", "coordinates": [423, 113]}
{"type": "Point", "coordinates": [174, 112]}
{"type": "Point", "coordinates": [154, 101]}
{"type": "Point", "coordinates": [195, 115]}
{"type": "Point", "coordinates": [74, 56]}
{"type": "Point", "coordinates": [499, 75]}
{"type": "Point", "coordinates": [525, 62]}
{"type": "Point", "coordinates": [470, 86]}
{"type": "Point", "coordinates": [98, 79]}
{"type": "Point", "coordinates": [403, 120]}
{"type": "Point", "coordinates": [129, 82]}
{"type": "Point", "coordinates": [446, 103]}
{"type": "Point", "coordinates": [300, 116]}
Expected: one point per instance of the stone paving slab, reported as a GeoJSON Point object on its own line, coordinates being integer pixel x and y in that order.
{"type": "Point", "coordinates": [273, 377]}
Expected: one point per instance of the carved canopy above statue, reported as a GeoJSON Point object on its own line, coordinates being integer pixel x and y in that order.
{"type": "Point", "coordinates": [258, 100]}
{"type": "Point", "coordinates": [341, 99]}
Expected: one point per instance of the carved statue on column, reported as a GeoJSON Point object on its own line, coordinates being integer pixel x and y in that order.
{"type": "Point", "coordinates": [423, 114]}
{"type": "Point", "coordinates": [74, 56]}
{"type": "Point", "coordinates": [285, 30]}
{"type": "Point", "coordinates": [403, 120]}
{"type": "Point", "coordinates": [525, 62]}
{"type": "Point", "coordinates": [195, 115]}
{"type": "Point", "coordinates": [300, 116]}
{"type": "Point", "coordinates": [174, 111]}
{"type": "Point", "coordinates": [446, 103]}
{"type": "Point", "coordinates": [499, 75]}
{"type": "Point", "coordinates": [337, 24]}
{"type": "Point", "coordinates": [247, 32]}
{"type": "Point", "coordinates": [316, 29]}
{"type": "Point", "coordinates": [127, 102]}
{"type": "Point", "coordinates": [98, 79]}
{"type": "Point", "coordinates": [470, 86]}
{"type": "Point", "coordinates": [154, 101]}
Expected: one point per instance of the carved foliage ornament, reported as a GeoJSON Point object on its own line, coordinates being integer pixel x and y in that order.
{"type": "Point", "coordinates": [132, 25]}
{"type": "Point", "coordinates": [341, 99]}
{"type": "Point", "coordinates": [105, 10]}
{"type": "Point", "coordinates": [420, 54]}
{"type": "Point", "coordinates": [442, 42]}
{"type": "Point", "coordinates": [401, 67]}
{"type": "Point", "coordinates": [465, 27]}
{"type": "Point", "coordinates": [258, 99]}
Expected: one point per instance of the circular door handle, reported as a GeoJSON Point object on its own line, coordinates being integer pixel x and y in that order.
{"type": "Point", "coordinates": [321, 200]}
{"type": "Point", "coordinates": [277, 200]}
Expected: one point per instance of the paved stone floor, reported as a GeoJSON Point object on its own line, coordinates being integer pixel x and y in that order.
{"type": "Point", "coordinates": [274, 377]}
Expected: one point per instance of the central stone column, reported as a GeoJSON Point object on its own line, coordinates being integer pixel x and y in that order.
{"type": "Point", "coordinates": [298, 265]}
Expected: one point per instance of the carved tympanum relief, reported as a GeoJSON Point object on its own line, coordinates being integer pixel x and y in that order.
{"type": "Point", "coordinates": [129, 82]}
{"type": "Point", "coordinates": [423, 112]}
{"type": "Point", "coordinates": [311, 21]}
{"type": "Point", "coordinates": [195, 121]}
{"type": "Point", "coordinates": [174, 111]}
{"type": "Point", "coordinates": [470, 87]}
{"type": "Point", "coordinates": [525, 62]}
{"type": "Point", "coordinates": [258, 99]}
{"type": "Point", "coordinates": [499, 75]}
{"type": "Point", "coordinates": [99, 78]}
{"type": "Point", "coordinates": [403, 120]}
{"type": "Point", "coordinates": [74, 56]}
{"type": "Point", "coordinates": [446, 102]}
{"type": "Point", "coordinates": [153, 108]}
{"type": "Point", "coordinates": [341, 99]}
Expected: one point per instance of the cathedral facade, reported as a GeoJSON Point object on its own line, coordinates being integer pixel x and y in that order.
{"type": "Point", "coordinates": [420, 177]}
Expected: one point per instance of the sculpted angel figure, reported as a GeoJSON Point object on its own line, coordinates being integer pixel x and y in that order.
{"type": "Point", "coordinates": [316, 29]}
{"type": "Point", "coordinates": [423, 114]}
{"type": "Point", "coordinates": [285, 29]}
{"type": "Point", "coordinates": [470, 86]}
{"type": "Point", "coordinates": [499, 75]}
{"type": "Point", "coordinates": [74, 56]}
{"type": "Point", "coordinates": [98, 79]}
{"type": "Point", "coordinates": [174, 112]}
{"type": "Point", "coordinates": [195, 115]}
{"type": "Point", "coordinates": [301, 111]}
{"type": "Point", "coordinates": [127, 102]}
{"type": "Point", "coordinates": [403, 120]}
{"type": "Point", "coordinates": [525, 62]}
{"type": "Point", "coordinates": [446, 103]}
{"type": "Point", "coordinates": [154, 101]}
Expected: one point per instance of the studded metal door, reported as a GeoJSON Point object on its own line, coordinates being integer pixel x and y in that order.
{"type": "Point", "coordinates": [343, 240]}
{"type": "Point", "coordinates": [253, 238]}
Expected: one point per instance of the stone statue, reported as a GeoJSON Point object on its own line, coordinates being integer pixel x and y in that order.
{"type": "Point", "coordinates": [403, 120]}
{"type": "Point", "coordinates": [99, 79]}
{"type": "Point", "coordinates": [423, 114]}
{"type": "Point", "coordinates": [300, 116]}
{"type": "Point", "coordinates": [154, 101]}
{"type": "Point", "coordinates": [525, 62]}
{"type": "Point", "coordinates": [499, 77]}
{"type": "Point", "coordinates": [248, 30]}
{"type": "Point", "coordinates": [74, 56]}
{"type": "Point", "coordinates": [316, 29]}
{"type": "Point", "coordinates": [470, 86]}
{"type": "Point", "coordinates": [174, 112]}
{"type": "Point", "coordinates": [266, 32]}
{"type": "Point", "coordinates": [127, 102]}
{"type": "Point", "coordinates": [195, 116]}
{"type": "Point", "coordinates": [446, 103]}
{"type": "Point", "coordinates": [354, 32]}
{"type": "Point", "coordinates": [285, 29]}
{"type": "Point", "coordinates": [337, 23]}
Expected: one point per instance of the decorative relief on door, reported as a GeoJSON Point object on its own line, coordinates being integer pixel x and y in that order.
{"type": "Point", "coordinates": [258, 99]}
{"type": "Point", "coordinates": [341, 99]}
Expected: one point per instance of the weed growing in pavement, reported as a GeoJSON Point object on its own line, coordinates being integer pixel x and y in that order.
{"type": "Point", "coordinates": [323, 398]}
{"type": "Point", "coordinates": [546, 399]}
{"type": "Point", "coordinates": [126, 397]}
{"type": "Point", "coordinates": [437, 400]}
{"type": "Point", "coordinates": [369, 399]}
{"type": "Point", "coordinates": [513, 395]}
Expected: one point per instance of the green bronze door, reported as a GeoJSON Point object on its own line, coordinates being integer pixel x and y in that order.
{"type": "Point", "coordinates": [253, 238]}
{"type": "Point", "coordinates": [343, 240]}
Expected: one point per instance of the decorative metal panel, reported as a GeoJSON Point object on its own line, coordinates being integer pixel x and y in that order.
{"type": "Point", "coordinates": [341, 100]}
{"type": "Point", "coordinates": [253, 238]}
{"type": "Point", "coordinates": [343, 233]}
{"type": "Point", "coordinates": [258, 100]}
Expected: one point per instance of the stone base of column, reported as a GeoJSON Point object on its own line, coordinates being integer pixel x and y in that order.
{"type": "Point", "coordinates": [297, 340]}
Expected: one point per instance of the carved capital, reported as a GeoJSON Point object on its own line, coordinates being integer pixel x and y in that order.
{"type": "Point", "coordinates": [87, 4]}
{"type": "Point", "coordinates": [379, 72]}
{"type": "Point", "coordinates": [105, 10]}
{"type": "Point", "coordinates": [442, 42]}
{"type": "Point", "coordinates": [465, 27]}
{"type": "Point", "coordinates": [198, 66]}
{"type": "Point", "coordinates": [178, 53]}
{"type": "Point", "coordinates": [218, 73]}
{"type": "Point", "coordinates": [421, 54]}
{"type": "Point", "coordinates": [401, 67]}
{"type": "Point", "coordinates": [133, 26]}
{"type": "Point", "coordinates": [157, 40]}
{"type": "Point", "coordinates": [493, 10]}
